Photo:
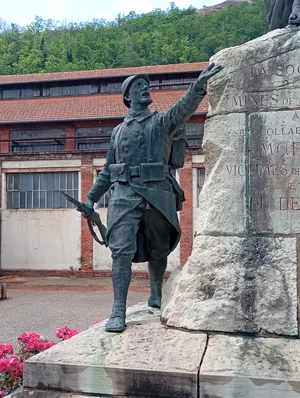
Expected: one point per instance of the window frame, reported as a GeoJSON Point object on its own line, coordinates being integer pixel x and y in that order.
{"type": "Point", "coordinates": [198, 181]}
{"type": "Point", "coordinates": [33, 192]}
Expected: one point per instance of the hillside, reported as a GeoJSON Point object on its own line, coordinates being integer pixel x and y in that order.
{"type": "Point", "coordinates": [156, 38]}
{"type": "Point", "coordinates": [221, 6]}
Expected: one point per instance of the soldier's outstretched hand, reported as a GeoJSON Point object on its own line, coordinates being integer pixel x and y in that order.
{"type": "Point", "coordinates": [201, 82]}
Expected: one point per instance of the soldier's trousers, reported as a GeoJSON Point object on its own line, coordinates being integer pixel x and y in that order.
{"type": "Point", "coordinates": [123, 243]}
{"type": "Point", "coordinates": [156, 229]}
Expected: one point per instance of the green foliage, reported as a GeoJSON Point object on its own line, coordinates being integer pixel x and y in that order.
{"type": "Point", "coordinates": [158, 37]}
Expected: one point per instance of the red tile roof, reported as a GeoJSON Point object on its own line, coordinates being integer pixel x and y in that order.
{"type": "Point", "coordinates": [103, 73]}
{"type": "Point", "coordinates": [81, 108]}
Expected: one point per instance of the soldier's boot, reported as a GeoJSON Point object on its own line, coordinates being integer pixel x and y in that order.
{"type": "Point", "coordinates": [157, 268]}
{"type": "Point", "coordinates": [121, 276]}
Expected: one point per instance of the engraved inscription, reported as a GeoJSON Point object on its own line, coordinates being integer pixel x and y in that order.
{"type": "Point", "coordinates": [280, 76]}
{"type": "Point", "coordinates": [256, 100]}
{"type": "Point", "coordinates": [273, 171]}
{"type": "Point", "coordinates": [258, 203]}
{"type": "Point", "coordinates": [277, 70]}
{"type": "Point", "coordinates": [289, 203]}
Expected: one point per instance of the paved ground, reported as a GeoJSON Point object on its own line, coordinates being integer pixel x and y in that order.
{"type": "Point", "coordinates": [42, 305]}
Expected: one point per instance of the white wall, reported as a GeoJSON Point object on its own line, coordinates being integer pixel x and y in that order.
{"type": "Point", "coordinates": [195, 159]}
{"type": "Point", "coordinates": [34, 164]}
{"type": "Point", "coordinates": [40, 239]}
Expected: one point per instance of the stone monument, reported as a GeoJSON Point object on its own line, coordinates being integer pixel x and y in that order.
{"type": "Point", "coordinates": [242, 275]}
{"type": "Point", "coordinates": [233, 307]}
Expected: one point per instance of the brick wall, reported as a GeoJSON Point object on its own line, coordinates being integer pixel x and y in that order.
{"type": "Point", "coordinates": [70, 144]}
{"type": "Point", "coordinates": [4, 136]}
{"type": "Point", "coordinates": [86, 238]}
{"type": "Point", "coordinates": [186, 215]}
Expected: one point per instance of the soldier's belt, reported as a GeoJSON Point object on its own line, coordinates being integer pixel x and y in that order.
{"type": "Point", "coordinates": [146, 171]}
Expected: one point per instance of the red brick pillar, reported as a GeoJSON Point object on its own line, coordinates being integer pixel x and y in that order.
{"type": "Point", "coordinates": [70, 144]}
{"type": "Point", "coordinates": [4, 135]}
{"type": "Point", "coordinates": [1, 206]}
{"type": "Point", "coordinates": [4, 148]}
{"type": "Point", "coordinates": [186, 214]}
{"type": "Point", "coordinates": [86, 237]}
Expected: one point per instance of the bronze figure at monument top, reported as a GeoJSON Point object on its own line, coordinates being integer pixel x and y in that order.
{"type": "Point", "coordinates": [142, 213]}
{"type": "Point", "coordinates": [282, 13]}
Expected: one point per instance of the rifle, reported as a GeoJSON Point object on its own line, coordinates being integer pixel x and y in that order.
{"type": "Point", "coordinates": [93, 218]}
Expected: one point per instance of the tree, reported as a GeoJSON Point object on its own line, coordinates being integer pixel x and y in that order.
{"type": "Point", "coordinates": [158, 37]}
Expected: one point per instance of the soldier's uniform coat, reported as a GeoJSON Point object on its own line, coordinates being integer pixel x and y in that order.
{"type": "Point", "coordinates": [146, 138]}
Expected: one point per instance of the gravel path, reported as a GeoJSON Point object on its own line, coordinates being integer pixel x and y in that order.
{"type": "Point", "coordinates": [43, 312]}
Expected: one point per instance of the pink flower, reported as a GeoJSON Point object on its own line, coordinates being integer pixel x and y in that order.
{"type": "Point", "coordinates": [21, 368]}
{"type": "Point", "coordinates": [25, 337]}
{"type": "Point", "coordinates": [73, 333]}
{"type": "Point", "coordinates": [13, 360]}
{"type": "Point", "coordinates": [9, 349]}
{"type": "Point", "coordinates": [4, 365]}
{"type": "Point", "coordinates": [6, 349]}
{"type": "Point", "coordinates": [31, 345]}
{"type": "Point", "coordinates": [62, 332]}
{"type": "Point", "coordinates": [1, 394]}
{"type": "Point", "coordinates": [66, 333]}
{"type": "Point", "coordinates": [43, 346]}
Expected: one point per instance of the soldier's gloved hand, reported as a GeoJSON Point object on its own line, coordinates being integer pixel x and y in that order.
{"type": "Point", "coordinates": [90, 208]}
{"type": "Point", "coordinates": [201, 82]}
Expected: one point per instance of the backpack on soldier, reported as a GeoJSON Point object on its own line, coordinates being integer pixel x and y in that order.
{"type": "Point", "coordinates": [176, 161]}
{"type": "Point", "coordinates": [179, 145]}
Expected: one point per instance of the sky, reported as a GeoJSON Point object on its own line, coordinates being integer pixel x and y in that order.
{"type": "Point", "coordinates": [22, 12]}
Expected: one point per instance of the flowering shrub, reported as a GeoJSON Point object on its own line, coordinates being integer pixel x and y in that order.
{"type": "Point", "coordinates": [11, 370]}
{"type": "Point", "coordinates": [66, 333]}
{"type": "Point", "coordinates": [30, 344]}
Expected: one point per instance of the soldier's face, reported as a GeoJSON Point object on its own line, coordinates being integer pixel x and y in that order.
{"type": "Point", "coordinates": [139, 93]}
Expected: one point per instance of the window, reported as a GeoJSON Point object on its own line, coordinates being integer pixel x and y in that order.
{"type": "Point", "coordinates": [200, 182]}
{"type": "Point", "coordinates": [93, 138]}
{"type": "Point", "coordinates": [20, 91]}
{"type": "Point", "coordinates": [11, 91]}
{"type": "Point", "coordinates": [180, 80]}
{"type": "Point", "coordinates": [58, 89]}
{"type": "Point", "coordinates": [103, 202]}
{"type": "Point", "coordinates": [38, 140]}
{"type": "Point", "coordinates": [194, 134]}
{"type": "Point", "coordinates": [112, 85]}
{"type": "Point", "coordinates": [41, 190]}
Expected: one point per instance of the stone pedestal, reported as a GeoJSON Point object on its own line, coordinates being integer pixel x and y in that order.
{"type": "Point", "coordinates": [149, 360]}
{"type": "Point", "coordinates": [243, 273]}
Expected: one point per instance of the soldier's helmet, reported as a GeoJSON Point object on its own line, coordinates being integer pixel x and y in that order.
{"type": "Point", "coordinates": [128, 82]}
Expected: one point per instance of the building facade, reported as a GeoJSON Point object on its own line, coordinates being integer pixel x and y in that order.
{"type": "Point", "coordinates": [54, 134]}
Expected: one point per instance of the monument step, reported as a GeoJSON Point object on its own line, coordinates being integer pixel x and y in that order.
{"type": "Point", "coordinates": [146, 360]}
{"type": "Point", "coordinates": [23, 393]}
{"type": "Point", "coordinates": [149, 360]}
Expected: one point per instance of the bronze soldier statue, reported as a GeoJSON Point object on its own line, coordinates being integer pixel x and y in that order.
{"type": "Point", "coordinates": [282, 13]}
{"type": "Point", "coordinates": [142, 212]}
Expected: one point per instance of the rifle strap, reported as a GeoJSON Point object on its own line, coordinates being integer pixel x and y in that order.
{"type": "Point", "coordinates": [90, 225]}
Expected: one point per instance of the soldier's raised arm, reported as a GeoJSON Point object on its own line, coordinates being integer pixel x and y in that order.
{"type": "Point", "coordinates": [180, 112]}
